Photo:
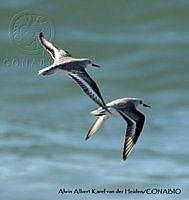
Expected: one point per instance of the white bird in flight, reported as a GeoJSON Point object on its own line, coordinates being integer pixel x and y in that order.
{"type": "Point", "coordinates": [126, 107]}
{"type": "Point", "coordinates": [64, 63]}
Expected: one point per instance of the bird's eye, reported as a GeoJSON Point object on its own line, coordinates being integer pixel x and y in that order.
{"type": "Point", "coordinates": [141, 102]}
{"type": "Point", "coordinates": [89, 62]}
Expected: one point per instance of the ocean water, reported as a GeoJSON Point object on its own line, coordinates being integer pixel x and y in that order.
{"type": "Point", "coordinates": [142, 47]}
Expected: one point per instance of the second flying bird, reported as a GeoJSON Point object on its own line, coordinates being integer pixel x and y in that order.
{"type": "Point", "coordinates": [64, 63]}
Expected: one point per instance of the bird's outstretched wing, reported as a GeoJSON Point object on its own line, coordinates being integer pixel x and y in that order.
{"type": "Point", "coordinates": [88, 85]}
{"type": "Point", "coordinates": [55, 52]}
{"type": "Point", "coordinates": [96, 125]}
{"type": "Point", "coordinates": [135, 124]}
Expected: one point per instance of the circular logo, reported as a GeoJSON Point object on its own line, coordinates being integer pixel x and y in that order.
{"type": "Point", "coordinates": [25, 27]}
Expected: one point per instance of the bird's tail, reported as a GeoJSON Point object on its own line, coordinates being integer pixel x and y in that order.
{"type": "Point", "coordinates": [102, 111]}
{"type": "Point", "coordinates": [48, 70]}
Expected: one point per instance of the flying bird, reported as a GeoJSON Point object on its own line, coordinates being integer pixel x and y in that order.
{"type": "Point", "coordinates": [64, 63]}
{"type": "Point", "coordinates": [127, 108]}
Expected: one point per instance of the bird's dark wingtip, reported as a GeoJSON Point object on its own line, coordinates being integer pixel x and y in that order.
{"type": "Point", "coordinates": [107, 109]}
{"type": "Point", "coordinates": [41, 35]}
{"type": "Point", "coordinates": [124, 157]}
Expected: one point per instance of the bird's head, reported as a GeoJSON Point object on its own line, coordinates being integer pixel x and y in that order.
{"type": "Point", "coordinates": [139, 102]}
{"type": "Point", "coordinates": [88, 62]}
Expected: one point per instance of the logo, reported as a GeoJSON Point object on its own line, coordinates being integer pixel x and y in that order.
{"type": "Point", "coordinates": [25, 27]}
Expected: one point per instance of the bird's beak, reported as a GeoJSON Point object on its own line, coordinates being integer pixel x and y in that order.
{"type": "Point", "coordinates": [95, 65]}
{"type": "Point", "coordinates": [145, 105]}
